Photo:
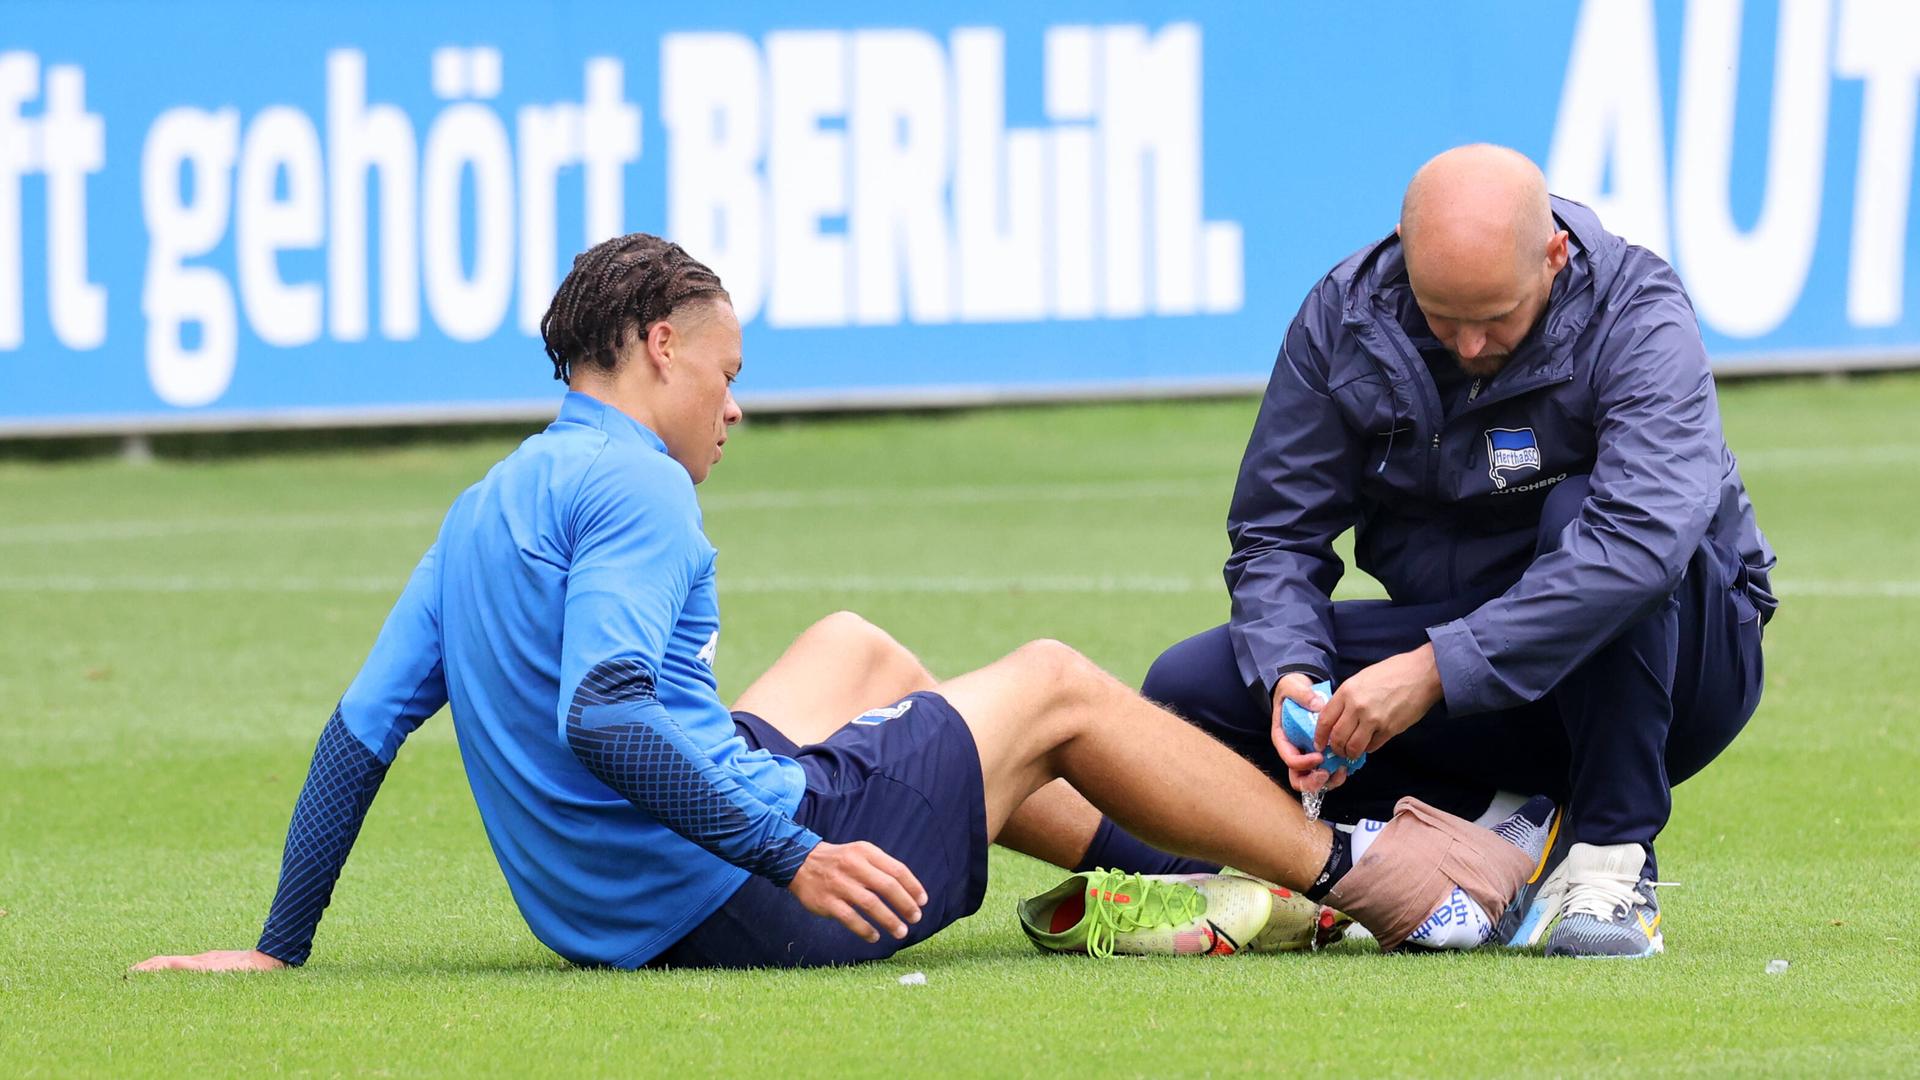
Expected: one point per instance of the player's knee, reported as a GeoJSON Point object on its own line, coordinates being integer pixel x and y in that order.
{"type": "Point", "coordinates": [843, 624]}
{"type": "Point", "coordinates": [1055, 668]}
{"type": "Point", "coordinates": [886, 660]}
{"type": "Point", "coordinates": [1047, 656]}
{"type": "Point", "coordinates": [848, 633]}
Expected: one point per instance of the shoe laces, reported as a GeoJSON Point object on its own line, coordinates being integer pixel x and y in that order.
{"type": "Point", "coordinates": [1604, 894]}
{"type": "Point", "coordinates": [1119, 903]}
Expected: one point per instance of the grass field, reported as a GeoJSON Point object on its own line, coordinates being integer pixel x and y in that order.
{"type": "Point", "coordinates": [173, 636]}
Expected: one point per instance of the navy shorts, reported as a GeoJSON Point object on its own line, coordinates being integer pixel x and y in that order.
{"type": "Point", "coordinates": [905, 779]}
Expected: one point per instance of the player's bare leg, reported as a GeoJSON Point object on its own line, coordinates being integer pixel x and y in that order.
{"type": "Point", "coordinates": [835, 670]}
{"type": "Point", "coordinates": [1055, 824]}
{"type": "Point", "coordinates": [844, 665]}
{"type": "Point", "coordinates": [1046, 713]}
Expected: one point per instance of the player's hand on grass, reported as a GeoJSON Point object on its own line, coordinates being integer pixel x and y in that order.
{"type": "Point", "coordinates": [1379, 702]}
{"type": "Point", "coordinates": [217, 960]}
{"type": "Point", "coordinates": [1303, 769]}
{"type": "Point", "coordinates": [860, 887]}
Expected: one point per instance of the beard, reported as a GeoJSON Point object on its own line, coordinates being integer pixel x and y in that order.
{"type": "Point", "coordinates": [1484, 366]}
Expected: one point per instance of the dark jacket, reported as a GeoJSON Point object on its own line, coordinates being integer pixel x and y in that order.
{"type": "Point", "coordinates": [1612, 383]}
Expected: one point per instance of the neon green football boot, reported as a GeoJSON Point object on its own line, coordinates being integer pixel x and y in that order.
{"type": "Point", "coordinates": [1109, 913]}
{"type": "Point", "coordinates": [1297, 923]}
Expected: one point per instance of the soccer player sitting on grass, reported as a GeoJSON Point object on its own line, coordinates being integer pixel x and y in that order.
{"type": "Point", "coordinates": [567, 613]}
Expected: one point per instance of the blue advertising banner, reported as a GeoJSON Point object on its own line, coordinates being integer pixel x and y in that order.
{"type": "Point", "coordinates": [226, 214]}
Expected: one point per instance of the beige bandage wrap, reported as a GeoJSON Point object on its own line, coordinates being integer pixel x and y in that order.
{"type": "Point", "coordinates": [1414, 865]}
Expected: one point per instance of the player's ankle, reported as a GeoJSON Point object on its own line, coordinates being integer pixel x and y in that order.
{"type": "Point", "coordinates": [1340, 859]}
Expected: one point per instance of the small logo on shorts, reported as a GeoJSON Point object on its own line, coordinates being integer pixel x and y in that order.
{"type": "Point", "coordinates": [873, 717]}
{"type": "Point", "coordinates": [1511, 450]}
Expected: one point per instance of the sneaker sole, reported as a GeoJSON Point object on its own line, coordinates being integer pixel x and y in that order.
{"type": "Point", "coordinates": [1654, 948]}
{"type": "Point", "coordinates": [1531, 927]}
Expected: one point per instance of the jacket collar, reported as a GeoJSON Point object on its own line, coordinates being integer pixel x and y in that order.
{"type": "Point", "coordinates": [1379, 300]}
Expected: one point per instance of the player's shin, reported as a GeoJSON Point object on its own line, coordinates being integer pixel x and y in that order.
{"type": "Point", "coordinates": [1180, 791]}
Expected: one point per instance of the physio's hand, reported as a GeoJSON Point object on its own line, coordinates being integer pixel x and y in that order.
{"type": "Point", "coordinates": [217, 960]}
{"type": "Point", "coordinates": [1303, 769]}
{"type": "Point", "coordinates": [1380, 702]}
{"type": "Point", "coordinates": [860, 887]}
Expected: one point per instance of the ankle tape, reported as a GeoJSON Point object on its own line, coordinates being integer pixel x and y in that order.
{"type": "Point", "coordinates": [1414, 865]}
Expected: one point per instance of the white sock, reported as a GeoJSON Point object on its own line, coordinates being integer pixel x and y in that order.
{"type": "Point", "coordinates": [1458, 923]}
{"type": "Point", "coordinates": [1500, 809]}
{"type": "Point", "coordinates": [1364, 832]}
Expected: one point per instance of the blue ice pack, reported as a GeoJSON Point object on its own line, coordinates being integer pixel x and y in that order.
{"type": "Point", "coordinates": [1299, 725]}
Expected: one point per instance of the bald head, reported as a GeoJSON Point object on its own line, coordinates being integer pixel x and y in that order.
{"type": "Point", "coordinates": [1481, 249]}
{"type": "Point", "coordinates": [1480, 200]}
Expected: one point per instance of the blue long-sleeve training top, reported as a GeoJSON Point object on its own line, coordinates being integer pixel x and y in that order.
{"type": "Point", "coordinates": [567, 612]}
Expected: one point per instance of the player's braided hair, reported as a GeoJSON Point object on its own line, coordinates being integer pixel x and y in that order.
{"type": "Point", "coordinates": [617, 288]}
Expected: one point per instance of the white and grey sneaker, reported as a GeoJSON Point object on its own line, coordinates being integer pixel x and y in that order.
{"type": "Point", "coordinates": [1537, 903]}
{"type": "Point", "coordinates": [1609, 908]}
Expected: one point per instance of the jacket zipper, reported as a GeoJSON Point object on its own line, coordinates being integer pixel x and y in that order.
{"type": "Point", "coordinates": [1476, 403]}
{"type": "Point", "coordinates": [1430, 398]}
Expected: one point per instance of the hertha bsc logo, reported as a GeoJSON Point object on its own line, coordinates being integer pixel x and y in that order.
{"type": "Point", "coordinates": [1511, 450]}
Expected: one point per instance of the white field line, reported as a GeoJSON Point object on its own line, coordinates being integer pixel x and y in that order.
{"type": "Point", "coordinates": [83, 531]}
{"type": "Point", "coordinates": [1826, 457]}
{"type": "Point", "coordinates": [824, 498]}
{"type": "Point", "coordinates": [1057, 584]}
{"type": "Point", "coordinates": [966, 585]}
{"type": "Point", "coordinates": [189, 583]}
{"type": "Point", "coordinates": [1215, 488]}
{"type": "Point", "coordinates": [1849, 590]}
{"type": "Point", "coordinates": [1204, 487]}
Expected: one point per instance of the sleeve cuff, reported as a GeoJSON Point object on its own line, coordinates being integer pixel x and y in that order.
{"type": "Point", "coordinates": [1317, 674]}
{"type": "Point", "coordinates": [1307, 661]}
{"type": "Point", "coordinates": [793, 853]}
{"type": "Point", "coordinates": [1465, 675]}
{"type": "Point", "coordinates": [287, 952]}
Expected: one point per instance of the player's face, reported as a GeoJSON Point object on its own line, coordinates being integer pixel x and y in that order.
{"type": "Point", "coordinates": [705, 363]}
{"type": "Point", "coordinates": [1482, 309]}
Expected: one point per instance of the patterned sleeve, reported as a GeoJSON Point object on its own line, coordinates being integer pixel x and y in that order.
{"type": "Point", "coordinates": [340, 786]}
{"type": "Point", "coordinates": [402, 683]}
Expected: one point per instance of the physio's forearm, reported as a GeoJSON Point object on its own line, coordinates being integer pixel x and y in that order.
{"type": "Point", "coordinates": [340, 786]}
{"type": "Point", "coordinates": [1282, 629]}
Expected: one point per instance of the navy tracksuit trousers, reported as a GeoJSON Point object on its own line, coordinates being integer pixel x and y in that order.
{"type": "Point", "coordinates": [1648, 710]}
